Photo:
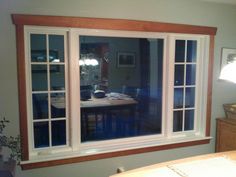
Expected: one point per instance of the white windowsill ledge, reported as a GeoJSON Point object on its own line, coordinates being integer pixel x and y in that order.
{"type": "Point", "coordinates": [47, 156]}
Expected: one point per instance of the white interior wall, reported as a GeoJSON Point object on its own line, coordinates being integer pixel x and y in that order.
{"type": "Point", "coordinates": [181, 11]}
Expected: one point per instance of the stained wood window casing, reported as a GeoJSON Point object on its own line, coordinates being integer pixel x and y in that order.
{"type": "Point", "coordinates": [98, 23]}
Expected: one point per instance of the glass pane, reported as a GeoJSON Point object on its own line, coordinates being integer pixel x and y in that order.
{"type": "Point", "coordinates": [38, 47]}
{"type": "Point", "coordinates": [189, 120]}
{"type": "Point", "coordinates": [56, 48]}
{"type": "Point", "coordinates": [121, 87]}
{"type": "Point", "coordinates": [191, 51]}
{"type": "Point", "coordinates": [40, 106]}
{"type": "Point", "coordinates": [58, 105]}
{"type": "Point", "coordinates": [58, 132]}
{"type": "Point", "coordinates": [177, 121]}
{"type": "Point", "coordinates": [178, 97]}
{"type": "Point", "coordinates": [41, 134]}
{"type": "Point", "coordinates": [57, 77]}
{"type": "Point", "coordinates": [179, 75]}
{"type": "Point", "coordinates": [39, 78]}
{"type": "Point", "coordinates": [190, 97]}
{"type": "Point", "coordinates": [180, 51]}
{"type": "Point", "coordinates": [190, 74]}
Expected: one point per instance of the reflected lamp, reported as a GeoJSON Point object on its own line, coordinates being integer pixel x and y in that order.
{"type": "Point", "coordinates": [228, 72]}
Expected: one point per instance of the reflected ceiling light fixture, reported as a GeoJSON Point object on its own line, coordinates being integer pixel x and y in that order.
{"type": "Point", "coordinates": [88, 60]}
{"type": "Point", "coordinates": [228, 72]}
{"type": "Point", "coordinates": [91, 62]}
{"type": "Point", "coordinates": [81, 62]}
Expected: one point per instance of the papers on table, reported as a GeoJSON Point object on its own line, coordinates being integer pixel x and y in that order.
{"type": "Point", "coordinates": [212, 167]}
{"type": "Point", "coordinates": [118, 96]}
{"type": "Point", "coordinates": [159, 172]}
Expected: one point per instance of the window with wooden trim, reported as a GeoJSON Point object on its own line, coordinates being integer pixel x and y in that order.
{"type": "Point", "coordinates": [90, 90]}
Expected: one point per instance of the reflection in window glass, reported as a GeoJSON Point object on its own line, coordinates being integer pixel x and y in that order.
{"type": "Point", "coordinates": [58, 132]}
{"type": "Point", "coordinates": [39, 77]}
{"type": "Point", "coordinates": [190, 97]}
{"type": "Point", "coordinates": [58, 105]}
{"type": "Point", "coordinates": [180, 51]}
{"type": "Point", "coordinates": [123, 77]}
{"type": "Point", "coordinates": [184, 82]}
{"type": "Point", "coordinates": [48, 89]}
{"type": "Point", "coordinates": [57, 77]}
{"type": "Point", "coordinates": [190, 74]}
{"type": "Point", "coordinates": [189, 120]}
{"type": "Point", "coordinates": [41, 134]}
{"type": "Point", "coordinates": [40, 106]}
{"type": "Point", "coordinates": [178, 97]}
{"type": "Point", "coordinates": [38, 47]}
{"type": "Point", "coordinates": [56, 48]}
{"type": "Point", "coordinates": [177, 121]}
{"type": "Point", "coordinates": [179, 75]}
{"type": "Point", "coordinates": [191, 50]}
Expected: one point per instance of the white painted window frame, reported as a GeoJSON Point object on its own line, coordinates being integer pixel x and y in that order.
{"type": "Point", "coordinates": [46, 31]}
{"type": "Point", "coordinates": [74, 147]}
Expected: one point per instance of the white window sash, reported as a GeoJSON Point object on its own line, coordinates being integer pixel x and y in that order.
{"type": "Point", "coordinates": [46, 31]}
{"type": "Point", "coordinates": [73, 93]}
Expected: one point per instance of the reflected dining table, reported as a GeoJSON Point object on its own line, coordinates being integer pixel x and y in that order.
{"type": "Point", "coordinates": [109, 107]}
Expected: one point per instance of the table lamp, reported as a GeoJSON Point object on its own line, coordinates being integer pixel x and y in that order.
{"type": "Point", "coordinates": [228, 73]}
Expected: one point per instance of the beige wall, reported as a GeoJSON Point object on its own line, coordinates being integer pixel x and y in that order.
{"type": "Point", "coordinates": [181, 11]}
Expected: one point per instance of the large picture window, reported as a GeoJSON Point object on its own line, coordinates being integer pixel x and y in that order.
{"type": "Point", "coordinates": [90, 92]}
{"type": "Point", "coordinates": [119, 102]}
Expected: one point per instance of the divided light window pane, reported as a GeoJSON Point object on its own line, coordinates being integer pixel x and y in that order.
{"type": "Point", "coordinates": [178, 121]}
{"type": "Point", "coordinates": [58, 132]}
{"type": "Point", "coordinates": [56, 48]}
{"type": "Point", "coordinates": [48, 90]}
{"type": "Point", "coordinates": [39, 72]}
{"type": "Point", "coordinates": [179, 51]}
{"type": "Point", "coordinates": [40, 106]}
{"type": "Point", "coordinates": [189, 120]}
{"type": "Point", "coordinates": [41, 134]}
{"type": "Point", "coordinates": [179, 74]}
{"type": "Point", "coordinates": [57, 75]}
{"type": "Point", "coordinates": [184, 85]}
{"type": "Point", "coordinates": [190, 74]}
{"type": "Point", "coordinates": [38, 47]}
{"type": "Point", "coordinates": [120, 87]}
{"type": "Point", "coordinates": [191, 50]}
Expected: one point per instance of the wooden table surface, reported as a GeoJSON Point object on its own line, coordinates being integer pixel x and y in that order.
{"type": "Point", "coordinates": [59, 102]}
{"type": "Point", "coordinates": [141, 171]}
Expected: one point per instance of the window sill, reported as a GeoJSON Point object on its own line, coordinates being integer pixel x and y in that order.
{"type": "Point", "coordinates": [75, 157]}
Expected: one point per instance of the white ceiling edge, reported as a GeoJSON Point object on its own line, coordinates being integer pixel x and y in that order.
{"type": "Point", "coordinates": [222, 1]}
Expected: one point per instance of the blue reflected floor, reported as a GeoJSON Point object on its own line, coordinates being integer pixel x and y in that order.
{"type": "Point", "coordinates": [122, 127]}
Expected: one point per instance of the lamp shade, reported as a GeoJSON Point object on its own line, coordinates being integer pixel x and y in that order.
{"type": "Point", "coordinates": [228, 72]}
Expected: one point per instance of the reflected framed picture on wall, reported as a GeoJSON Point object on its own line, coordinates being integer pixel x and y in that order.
{"type": "Point", "coordinates": [227, 56]}
{"type": "Point", "coordinates": [126, 59]}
